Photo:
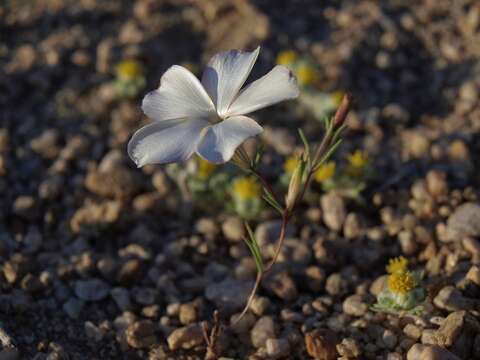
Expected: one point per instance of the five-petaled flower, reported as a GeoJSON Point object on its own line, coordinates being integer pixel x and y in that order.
{"type": "Point", "coordinates": [208, 117]}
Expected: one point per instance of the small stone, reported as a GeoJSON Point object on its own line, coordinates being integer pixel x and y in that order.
{"type": "Point", "coordinates": [119, 183]}
{"type": "Point", "coordinates": [130, 272]}
{"type": "Point", "coordinates": [207, 227]}
{"type": "Point", "coordinates": [188, 313]}
{"type": "Point", "coordinates": [93, 215]}
{"type": "Point", "coordinates": [389, 339]}
{"type": "Point", "coordinates": [349, 348]}
{"type": "Point", "coordinates": [31, 284]}
{"type": "Point", "coordinates": [333, 209]}
{"type": "Point", "coordinates": [450, 298]}
{"type": "Point", "coordinates": [141, 334]}
{"type": "Point", "coordinates": [263, 330]}
{"type": "Point", "coordinates": [473, 275]}
{"type": "Point", "coordinates": [121, 298]}
{"type": "Point", "coordinates": [472, 245]}
{"type": "Point", "coordinates": [436, 183]}
{"type": "Point", "coordinates": [73, 307]}
{"type": "Point", "coordinates": [321, 344]}
{"type": "Point", "coordinates": [354, 305]}
{"type": "Point", "coordinates": [429, 352]}
{"type": "Point", "coordinates": [465, 221]}
{"type": "Point", "coordinates": [92, 331]}
{"type": "Point", "coordinates": [352, 228]}
{"type": "Point", "coordinates": [336, 285]}
{"type": "Point", "coordinates": [282, 285]}
{"type": "Point", "coordinates": [186, 337]}
{"type": "Point", "coordinates": [378, 285]}
{"type": "Point", "coordinates": [144, 296]}
{"type": "Point", "coordinates": [457, 333]}
{"type": "Point", "coordinates": [91, 290]}
{"type": "Point", "coordinates": [277, 348]}
{"type": "Point", "coordinates": [46, 144]}
{"type": "Point", "coordinates": [412, 331]}
{"type": "Point", "coordinates": [230, 294]}
{"type": "Point", "coordinates": [233, 229]}
{"type": "Point", "coordinates": [260, 305]}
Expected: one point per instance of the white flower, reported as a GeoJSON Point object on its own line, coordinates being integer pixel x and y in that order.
{"type": "Point", "coordinates": [207, 117]}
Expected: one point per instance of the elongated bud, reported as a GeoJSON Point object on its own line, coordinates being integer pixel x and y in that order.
{"type": "Point", "coordinates": [241, 158]}
{"type": "Point", "coordinates": [343, 109]}
{"type": "Point", "coordinates": [296, 183]}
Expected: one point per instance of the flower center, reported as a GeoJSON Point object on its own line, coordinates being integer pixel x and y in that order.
{"type": "Point", "coordinates": [214, 119]}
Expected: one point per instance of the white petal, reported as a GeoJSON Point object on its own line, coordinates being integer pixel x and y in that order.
{"type": "Point", "coordinates": [225, 75]}
{"type": "Point", "coordinates": [220, 140]}
{"type": "Point", "coordinates": [278, 85]}
{"type": "Point", "coordinates": [164, 142]}
{"type": "Point", "coordinates": [180, 95]}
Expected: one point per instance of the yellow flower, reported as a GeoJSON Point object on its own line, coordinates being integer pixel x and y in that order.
{"type": "Point", "coordinates": [246, 188]}
{"type": "Point", "coordinates": [286, 57]}
{"type": "Point", "coordinates": [401, 283]}
{"type": "Point", "coordinates": [325, 172]}
{"type": "Point", "coordinates": [204, 168]}
{"type": "Point", "coordinates": [129, 69]}
{"type": "Point", "coordinates": [397, 265]}
{"type": "Point", "coordinates": [290, 164]}
{"type": "Point", "coordinates": [357, 162]}
{"type": "Point", "coordinates": [306, 75]}
{"type": "Point", "coordinates": [337, 97]}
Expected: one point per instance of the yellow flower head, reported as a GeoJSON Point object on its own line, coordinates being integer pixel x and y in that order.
{"type": "Point", "coordinates": [290, 164]}
{"type": "Point", "coordinates": [286, 57]}
{"type": "Point", "coordinates": [129, 69]}
{"type": "Point", "coordinates": [306, 75]}
{"type": "Point", "coordinates": [337, 97]}
{"type": "Point", "coordinates": [325, 172]}
{"type": "Point", "coordinates": [397, 265]}
{"type": "Point", "coordinates": [246, 188]}
{"type": "Point", "coordinates": [356, 163]}
{"type": "Point", "coordinates": [204, 168]}
{"type": "Point", "coordinates": [401, 283]}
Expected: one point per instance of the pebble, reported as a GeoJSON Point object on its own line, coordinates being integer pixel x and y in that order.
{"type": "Point", "coordinates": [349, 348]}
{"type": "Point", "coordinates": [355, 306]}
{"type": "Point", "coordinates": [73, 307]}
{"type": "Point", "coordinates": [321, 344]}
{"type": "Point", "coordinates": [282, 285]}
{"type": "Point", "coordinates": [430, 352]}
{"type": "Point", "coordinates": [188, 313]}
{"type": "Point", "coordinates": [141, 334]}
{"type": "Point", "coordinates": [230, 294]}
{"type": "Point", "coordinates": [118, 183]}
{"type": "Point", "coordinates": [436, 183]}
{"type": "Point", "coordinates": [92, 289]}
{"type": "Point", "coordinates": [93, 332]}
{"type": "Point", "coordinates": [260, 305]}
{"type": "Point", "coordinates": [465, 221]}
{"type": "Point", "coordinates": [336, 285]}
{"type": "Point", "coordinates": [92, 215]}
{"type": "Point", "coordinates": [389, 339]}
{"type": "Point", "coordinates": [130, 272]}
{"type": "Point", "coordinates": [185, 337]}
{"type": "Point", "coordinates": [277, 348]}
{"type": "Point", "coordinates": [233, 229]}
{"type": "Point", "coordinates": [450, 298]}
{"type": "Point", "coordinates": [121, 297]}
{"type": "Point", "coordinates": [263, 330]}
{"type": "Point", "coordinates": [412, 331]}
{"type": "Point", "coordinates": [333, 209]}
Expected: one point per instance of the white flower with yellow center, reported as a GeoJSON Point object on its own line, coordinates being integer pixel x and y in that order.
{"type": "Point", "coordinates": [208, 117]}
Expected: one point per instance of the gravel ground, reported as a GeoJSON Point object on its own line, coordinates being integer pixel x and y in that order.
{"type": "Point", "coordinates": [100, 260]}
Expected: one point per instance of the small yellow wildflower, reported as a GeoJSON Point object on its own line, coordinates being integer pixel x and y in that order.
{"type": "Point", "coordinates": [246, 188]}
{"type": "Point", "coordinates": [401, 283]}
{"type": "Point", "coordinates": [129, 69]}
{"type": "Point", "coordinates": [357, 162]}
{"type": "Point", "coordinates": [306, 75]}
{"type": "Point", "coordinates": [286, 57]}
{"type": "Point", "coordinates": [290, 164]}
{"type": "Point", "coordinates": [337, 97]}
{"type": "Point", "coordinates": [325, 172]}
{"type": "Point", "coordinates": [397, 265]}
{"type": "Point", "coordinates": [205, 168]}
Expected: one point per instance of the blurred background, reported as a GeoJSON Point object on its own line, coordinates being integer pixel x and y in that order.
{"type": "Point", "coordinates": [103, 260]}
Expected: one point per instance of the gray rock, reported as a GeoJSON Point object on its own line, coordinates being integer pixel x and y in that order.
{"type": "Point", "coordinates": [233, 229]}
{"type": "Point", "coordinates": [465, 221]}
{"type": "Point", "coordinates": [121, 298]}
{"type": "Point", "coordinates": [91, 290]}
{"type": "Point", "coordinates": [263, 330]}
{"type": "Point", "coordinates": [229, 294]}
{"type": "Point", "coordinates": [282, 285]}
{"type": "Point", "coordinates": [73, 307]}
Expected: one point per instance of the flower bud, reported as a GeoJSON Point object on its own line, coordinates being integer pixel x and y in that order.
{"type": "Point", "coordinates": [296, 182]}
{"type": "Point", "coordinates": [343, 110]}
